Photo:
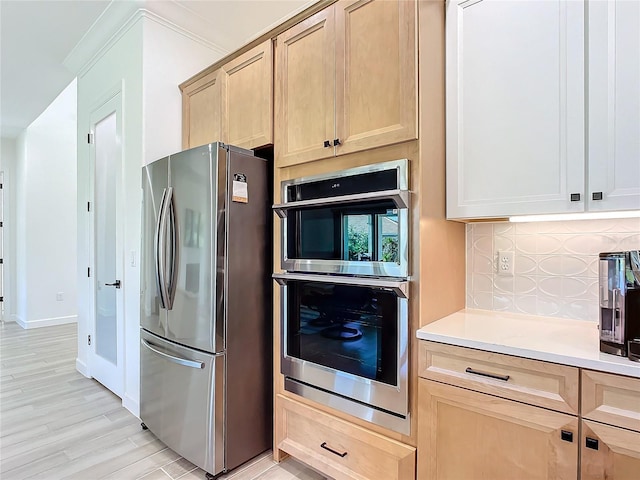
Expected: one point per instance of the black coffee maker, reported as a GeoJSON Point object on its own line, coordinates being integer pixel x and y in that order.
{"type": "Point", "coordinates": [620, 303]}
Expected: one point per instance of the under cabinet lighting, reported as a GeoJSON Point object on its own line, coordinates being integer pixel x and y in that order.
{"type": "Point", "coordinates": [575, 216]}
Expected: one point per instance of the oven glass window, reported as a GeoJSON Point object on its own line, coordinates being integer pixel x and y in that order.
{"type": "Point", "coordinates": [348, 328]}
{"type": "Point", "coordinates": [366, 232]}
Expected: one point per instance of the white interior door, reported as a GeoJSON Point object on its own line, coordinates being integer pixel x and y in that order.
{"type": "Point", "coordinates": [107, 348]}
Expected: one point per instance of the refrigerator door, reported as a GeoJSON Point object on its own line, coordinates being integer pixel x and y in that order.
{"type": "Point", "coordinates": [181, 400]}
{"type": "Point", "coordinates": [192, 272]}
{"type": "Point", "coordinates": [155, 183]}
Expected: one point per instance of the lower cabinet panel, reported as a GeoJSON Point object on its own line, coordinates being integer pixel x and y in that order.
{"type": "Point", "coordinates": [469, 435]}
{"type": "Point", "coordinates": [609, 452]}
{"type": "Point", "coordinates": [338, 448]}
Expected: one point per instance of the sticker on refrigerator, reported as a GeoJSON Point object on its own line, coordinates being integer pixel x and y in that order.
{"type": "Point", "coordinates": [240, 191]}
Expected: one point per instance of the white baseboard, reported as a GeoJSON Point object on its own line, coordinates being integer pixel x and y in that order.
{"type": "Point", "coordinates": [46, 322]}
{"type": "Point", "coordinates": [83, 368]}
{"type": "Point", "coordinates": [132, 405]}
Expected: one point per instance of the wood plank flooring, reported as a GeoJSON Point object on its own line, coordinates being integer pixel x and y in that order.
{"type": "Point", "coordinates": [57, 424]}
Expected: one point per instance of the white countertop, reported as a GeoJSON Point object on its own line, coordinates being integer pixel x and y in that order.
{"type": "Point", "coordinates": [558, 340]}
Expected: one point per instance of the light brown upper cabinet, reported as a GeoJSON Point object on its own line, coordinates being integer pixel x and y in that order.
{"type": "Point", "coordinates": [346, 81]}
{"type": "Point", "coordinates": [247, 106]}
{"type": "Point", "coordinates": [233, 104]}
{"type": "Point", "coordinates": [201, 111]}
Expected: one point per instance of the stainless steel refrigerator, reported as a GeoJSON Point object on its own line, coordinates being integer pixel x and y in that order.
{"type": "Point", "coordinates": [205, 353]}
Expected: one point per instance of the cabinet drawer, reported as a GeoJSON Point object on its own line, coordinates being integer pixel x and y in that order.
{"type": "Point", "coordinates": [611, 399]}
{"type": "Point", "coordinates": [338, 448]}
{"type": "Point", "coordinates": [530, 381]}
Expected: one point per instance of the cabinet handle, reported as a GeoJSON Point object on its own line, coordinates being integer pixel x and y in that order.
{"type": "Point", "coordinates": [591, 443]}
{"type": "Point", "coordinates": [575, 197]}
{"type": "Point", "coordinates": [504, 378]}
{"type": "Point", "coordinates": [327, 144]}
{"type": "Point", "coordinates": [566, 435]}
{"type": "Point", "coordinates": [336, 142]}
{"type": "Point", "coordinates": [324, 445]}
{"type": "Point", "coordinates": [596, 196]}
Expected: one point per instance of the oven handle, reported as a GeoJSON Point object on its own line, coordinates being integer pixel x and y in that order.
{"type": "Point", "coordinates": [400, 198]}
{"type": "Point", "coordinates": [400, 288]}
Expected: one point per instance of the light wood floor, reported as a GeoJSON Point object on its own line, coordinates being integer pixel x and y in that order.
{"type": "Point", "coordinates": [57, 424]}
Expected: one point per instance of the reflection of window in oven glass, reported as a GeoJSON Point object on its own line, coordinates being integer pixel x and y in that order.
{"type": "Point", "coordinates": [372, 237]}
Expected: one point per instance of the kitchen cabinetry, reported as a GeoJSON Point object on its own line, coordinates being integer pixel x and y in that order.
{"type": "Point", "coordinates": [233, 104]}
{"type": "Point", "coordinates": [201, 111]}
{"type": "Point", "coordinates": [247, 106]}
{"type": "Point", "coordinates": [516, 119]}
{"type": "Point", "coordinates": [346, 81]}
{"type": "Point", "coordinates": [466, 434]}
{"type": "Point", "coordinates": [490, 415]}
{"type": "Point", "coordinates": [610, 439]}
{"type": "Point", "coordinates": [338, 448]}
{"type": "Point", "coordinates": [614, 105]}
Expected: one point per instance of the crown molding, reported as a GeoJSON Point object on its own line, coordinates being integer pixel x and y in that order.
{"type": "Point", "coordinates": [118, 18]}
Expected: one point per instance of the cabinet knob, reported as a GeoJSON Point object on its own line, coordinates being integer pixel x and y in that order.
{"type": "Point", "coordinates": [327, 144]}
{"type": "Point", "coordinates": [566, 435]}
{"type": "Point", "coordinates": [596, 196]}
{"type": "Point", "coordinates": [575, 197]}
{"type": "Point", "coordinates": [336, 142]}
{"type": "Point", "coordinates": [591, 443]}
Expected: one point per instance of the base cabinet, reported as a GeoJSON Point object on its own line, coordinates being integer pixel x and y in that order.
{"type": "Point", "coordinates": [609, 452]}
{"type": "Point", "coordinates": [470, 435]}
{"type": "Point", "coordinates": [338, 448]}
{"type": "Point", "coordinates": [476, 421]}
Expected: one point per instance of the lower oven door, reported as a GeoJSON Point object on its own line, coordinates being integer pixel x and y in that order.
{"type": "Point", "coordinates": [347, 337]}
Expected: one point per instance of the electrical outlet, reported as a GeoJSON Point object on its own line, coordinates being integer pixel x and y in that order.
{"type": "Point", "coordinates": [60, 296]}
{"type": "Point", "coordinates": [505, 263]}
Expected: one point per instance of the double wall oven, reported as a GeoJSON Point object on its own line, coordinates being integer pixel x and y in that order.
{"type": "Point", "coordinates": [344, 311]}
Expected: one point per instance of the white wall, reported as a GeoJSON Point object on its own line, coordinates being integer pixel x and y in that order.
{"type": "Point", "coordinates": [45, 216]}
{"type": "Point", "coordinates": [146, 62]}
{"type": "Point", "coordinates": [8, 158]}
{"type": "Point", "coordinates": [556, 265]}
{"type": "Point", "coordinates": [170, 57]}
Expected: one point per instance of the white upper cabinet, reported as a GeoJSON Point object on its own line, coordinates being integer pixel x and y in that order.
{"type": "Point", "coordinates": [614, 105]}
{"type": "Point", "coordinates": [517, 121]}
{"type": "Point", "coordinates": [515, 107]}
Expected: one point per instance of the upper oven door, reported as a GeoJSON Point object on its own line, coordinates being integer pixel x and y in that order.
{"type": "Point", "coordinates": [355, 224]}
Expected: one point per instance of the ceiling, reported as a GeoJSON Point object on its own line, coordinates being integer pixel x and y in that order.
{"type": "Point", "coordinates": [43, 43]}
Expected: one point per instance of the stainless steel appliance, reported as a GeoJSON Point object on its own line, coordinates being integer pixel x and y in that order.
{"type": "Point", "coordinates": [205, 388]}
{"type": "Point", "coordinates": [351, 222]}
{"type": "Point", "coordinates": [619, 301]}
{"type": "Point", "coordinates": [345, 344]}
{"type": "Point", "coordinates": [344, 301]}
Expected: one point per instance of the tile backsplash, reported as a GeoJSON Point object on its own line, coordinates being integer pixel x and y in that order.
{"type": "Point", "coordinates": [555, 265]}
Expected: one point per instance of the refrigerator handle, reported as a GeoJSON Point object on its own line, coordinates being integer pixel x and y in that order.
{"type": "Point", "coordinates": [172, 358]}
{"type": "Point", "coordinates": [160, 248]}
{"type": "Point", "coordinates": [175, 248]}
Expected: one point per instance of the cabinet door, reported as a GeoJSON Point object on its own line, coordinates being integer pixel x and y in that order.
{"type": "Point", "coordinates": [248, 99]}
{"type": "Point", "coordinates": [515, 107]}
{"type": "Point", "coordinates": [466, 434]}
{"type": "Point", "coordinates": [614, 105]}
{"type": "Point", "coordinates": [609, 452]}
{"type": "Point", "coordinates": [305, 91]}
{"type": "Point", "coordinates": [201, 111]}
{"type": "Point", "coordinates": [376, 73]}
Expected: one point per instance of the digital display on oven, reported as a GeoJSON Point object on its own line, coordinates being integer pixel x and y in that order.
{"type": "Point", "coordinates": [347, 328]}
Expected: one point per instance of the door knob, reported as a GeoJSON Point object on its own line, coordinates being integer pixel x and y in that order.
{"type": "Point", "coordinates": [115, 284]}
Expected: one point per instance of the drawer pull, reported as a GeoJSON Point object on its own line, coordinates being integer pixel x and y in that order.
{"type": "Point", "coordinates": [324, 445]}
{"type": "Point", "coordinates": [504, 378]}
